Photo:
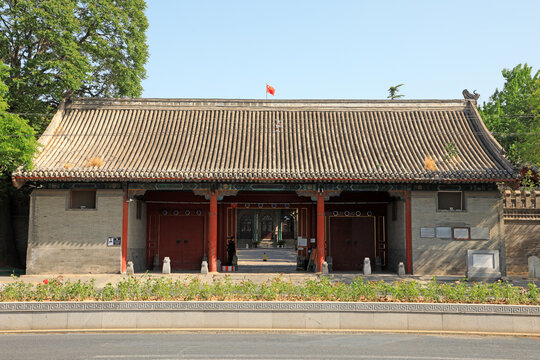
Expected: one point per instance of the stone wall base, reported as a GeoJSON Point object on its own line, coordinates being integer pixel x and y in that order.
{"type": "Point", "coordinates": [108, 316]}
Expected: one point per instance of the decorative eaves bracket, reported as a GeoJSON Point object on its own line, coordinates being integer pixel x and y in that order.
{"type": "Point", "coordinates": [313, 194]}
{"type": "Point", "coordinates": [221, 193]}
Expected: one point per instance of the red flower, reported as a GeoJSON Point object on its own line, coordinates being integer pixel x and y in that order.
{"type": "Point", "coordinates": [45, 281]}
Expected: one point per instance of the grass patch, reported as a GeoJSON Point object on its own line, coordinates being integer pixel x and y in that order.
{"type": "Point", "coordinates": [150, 288]}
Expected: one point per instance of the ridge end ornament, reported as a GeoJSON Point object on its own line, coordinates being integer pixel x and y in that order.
{"type": "Point", "coordinates": [470, 96]}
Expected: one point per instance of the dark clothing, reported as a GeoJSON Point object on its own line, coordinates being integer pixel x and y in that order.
{"type": "Point", "coordinates": [231, 250]}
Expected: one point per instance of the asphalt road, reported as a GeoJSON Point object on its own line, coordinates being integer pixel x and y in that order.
{"type": "Point", "coordinates": [264, 346]}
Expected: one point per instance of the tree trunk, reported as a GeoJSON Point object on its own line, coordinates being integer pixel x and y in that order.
{"type": "Point", "coordinates": [8, 250]}
{"type": "Point", "coordinates": [20, 209]}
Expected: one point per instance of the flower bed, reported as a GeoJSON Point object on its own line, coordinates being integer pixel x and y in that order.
{"type": "Point", "coordinates": [224, 289]}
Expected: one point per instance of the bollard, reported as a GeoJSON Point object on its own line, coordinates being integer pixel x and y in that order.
{"type": "Point", "coordinates": [204, 267]}
{"type": "Point", "coordinates": [234, 260]}
{"type": "Point", "coordinates": [264, 257]}
{"type": "Point", "coordinates": [330, 262]}
{"type": "Point", "coordinates": [534, 267]}
{"type": "Point", "coordinates": [166, 265]}
{"type": "Point", "coordinates": [401, 269]}
{"type": "Point", "coordinates": [367, 266]}
{"type": "Point", "coordinates": [325, 268]}
{"type": "Point", "coordinates": [218, 265]}
{"type": "Point", "coordinates": [130, 270]}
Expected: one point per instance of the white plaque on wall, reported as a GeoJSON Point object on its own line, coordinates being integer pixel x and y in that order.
{"type": "Point", "coordinates": [483, 261]}
{"type": "Point", "coordinates": [427, 232]}
{"type": "Point", "coordinates": [461, 233]}
{"type": "Point", "coordinates": [479, 233]}
{"type": "Point", "coordinates": [444, 232]}
{"type": "Point", "coordinates": [302, 241]}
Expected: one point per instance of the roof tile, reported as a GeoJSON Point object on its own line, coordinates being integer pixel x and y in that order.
{"type": "Point", "coordinates": [254, 140]}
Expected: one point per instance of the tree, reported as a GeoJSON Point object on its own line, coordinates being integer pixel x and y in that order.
{"type": "Point", "coordinates": [59, 48]}
{"type": "Point", "coordinates": [393, 90]}
{"type": "Point", "coordinates": [513, 115]}
{"type": "Point", "coordinates": [18, 144]}
{"type": "Point", "coordinates": [17, 148]}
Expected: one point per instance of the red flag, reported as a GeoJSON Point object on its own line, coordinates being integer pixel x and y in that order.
{"type": "Point", "coordinates": [270, 90]}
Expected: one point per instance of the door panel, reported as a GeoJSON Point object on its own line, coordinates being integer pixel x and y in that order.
{"type": "Point", "coordinates": [267, 227]}
{"type": "Point", "coordinates": [182, 240]}
{"type": "Point", "coordinates": [353, 239]}
{"type": "Point", "coordinates": [245, 230]}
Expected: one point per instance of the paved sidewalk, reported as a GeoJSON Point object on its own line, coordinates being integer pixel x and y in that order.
{"type": "Point", "coordinates": [280, 263]}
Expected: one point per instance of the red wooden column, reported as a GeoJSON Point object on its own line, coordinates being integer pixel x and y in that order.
{"type": "Point", "coordinates": [212, 234]}
{"type": "Point", "coordinates": [125, 209]}
{"type": "Point", "coordinates": [408, 231]}
{"type": "Point", "coordinates": [320, 231]}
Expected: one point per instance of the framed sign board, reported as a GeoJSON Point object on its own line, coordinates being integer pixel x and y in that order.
{"type": "Point", "coordinates": [444, 232]}
{"type": "Point", "coordinates": [302, 242]}
{"type": "Point", "coordinates": [427, 232]}
{"type": "Point", "coordinates": [114, 241]}
{"type": "Point", "coordinates": [479, 233]}
{"type": "Point", "coordinates": [461, 233]}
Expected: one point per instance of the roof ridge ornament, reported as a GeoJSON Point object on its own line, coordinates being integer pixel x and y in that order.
{"type": "Point", "coordinates": [468, 96]}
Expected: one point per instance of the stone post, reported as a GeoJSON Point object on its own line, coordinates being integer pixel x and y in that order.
{"type": "Point", "coordinates": [367, 266]}
{"type": "Point", "coordinates": [166, 265]}
{"type": "Point", "coordinates": [204, 267]}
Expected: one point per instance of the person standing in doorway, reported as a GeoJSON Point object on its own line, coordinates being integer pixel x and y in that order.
{"type": "Point", "coordinates": [231, 249]}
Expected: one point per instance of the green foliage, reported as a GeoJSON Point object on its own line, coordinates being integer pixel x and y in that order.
{"type": "Point", "coordinates": [513, 115]}
{"type": "Point", "coordinates": [59, 48]}
{"type": "Point", "coordinates": [147, 288]}
{"type": "Point", "coordinates": [17, 142]}
{"type": "Point", "coordinates": [451, 151]}
{"type": "Point", "coordinates": [393, 92]}
{"type": "Point", "coordinates": [527, 181]}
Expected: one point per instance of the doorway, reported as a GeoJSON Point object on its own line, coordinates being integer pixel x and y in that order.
{"type": "Point", "coordinates": [353, 239]}
{"type": "Point", "coordinates": [182, 240]}
{"type": "Point", "coordinates": [267, 228]}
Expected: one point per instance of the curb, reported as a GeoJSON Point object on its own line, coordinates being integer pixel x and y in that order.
{"type": "Point", "coordinates": [159, 316]}
{"type": "Point", "coordinates": [264, 330]}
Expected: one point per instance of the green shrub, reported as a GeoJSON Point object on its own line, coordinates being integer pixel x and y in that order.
{"type": "Point", "coordinates": [137, 288]}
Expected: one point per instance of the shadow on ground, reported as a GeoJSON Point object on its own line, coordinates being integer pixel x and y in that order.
{"type": "Point", "coordinates": [280, 261]}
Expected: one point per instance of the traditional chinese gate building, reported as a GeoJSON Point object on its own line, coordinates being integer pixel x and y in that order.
{"type": "Point", "coordinates": [135, 179]}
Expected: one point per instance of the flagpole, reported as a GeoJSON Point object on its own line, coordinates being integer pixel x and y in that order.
{"type": "Point", "coordinates": [266, 91]}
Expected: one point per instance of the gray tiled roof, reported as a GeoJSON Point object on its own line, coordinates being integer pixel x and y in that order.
{"type": "Point", "coordinates": [258, 140]}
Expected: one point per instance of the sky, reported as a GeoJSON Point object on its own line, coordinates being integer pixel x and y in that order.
{"type": "Point", "coordinates": [336, 49]}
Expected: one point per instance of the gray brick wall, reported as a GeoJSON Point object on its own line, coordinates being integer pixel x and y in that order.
{"type": "Point", "coordinates": [449, 257]}
{"type": "Point", "coordinates": [522, 241]}
{"type": "Point", "coordinates": [61, 240]}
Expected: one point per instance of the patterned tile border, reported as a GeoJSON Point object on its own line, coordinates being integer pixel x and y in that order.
{"type": "Point", "coordinates": [268, 306]}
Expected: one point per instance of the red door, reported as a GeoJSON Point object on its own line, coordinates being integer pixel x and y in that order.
{"type": "Point", "coordinates": [181, 238]}
{"type": "Point", "coordinates": [353, 239]}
